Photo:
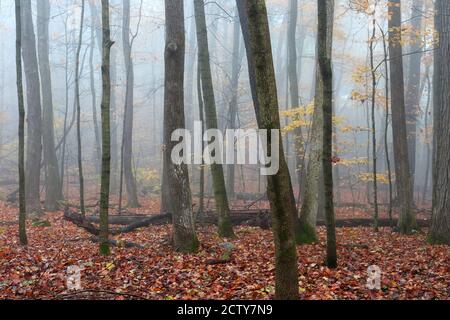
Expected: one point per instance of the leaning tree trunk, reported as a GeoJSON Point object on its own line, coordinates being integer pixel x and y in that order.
{"type": "Point", "coordinates": [106, 130]}
{"type": "Point", "coordinates": [326, 72]}
{"type": "Point", "coordinates": [440, 222]}
{"type": "Point", "coordinates": [127, 135]}
{"type": "Point", "coordinates": [21, 107]}
{"type": "Point", "coordinates": [306, 228]}
{"type": "Point", "coordinates": [255, 28]}
{"type": "Point", "coordinates": [184, 237]}
{"type": "Point", "coordinates": [402, 167]}
{"type": "Point", "coordinates": [52, 180]}
{"type": "Point", "coordinates": [34, 121]}
{"type": "Point", "coordinates": [220, 192]}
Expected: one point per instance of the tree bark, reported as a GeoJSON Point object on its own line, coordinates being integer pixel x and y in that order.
{"type": "Point", "coordinates": [220, 192]}
{"type": "Point", "coordinates": [413, 86]}
{"type": "Point", "coordinates": [34, 119]}
{"type": "Point", "coordinates": [106, 129]}
{"type": "Point", "coordinates": [255, 28]}
{"type": "Point", "coordinates": [184, 237]}
{"type": "Point", "coordinates": [78, 105]}
{"type": "Point", "coordinates": [402, 167]}
{"type": "Point", "coordinates": [306, 227]}
{"type": "Point", "coordinates": [127, 138]}
{"type": "Point", "coordinates": [326, 73]}
{"type": "Point", "coordinates": [52, 180]}
{"type": "Point", "coordinates": [21, 108]}
{"type": "Point", "coordinates": [440, 222]}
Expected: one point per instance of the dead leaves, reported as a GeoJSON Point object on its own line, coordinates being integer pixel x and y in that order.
{"type": "Point", "coordinates": [410, 268]}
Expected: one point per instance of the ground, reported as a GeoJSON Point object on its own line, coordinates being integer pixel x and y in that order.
{"type": "Point", "coordinates": [411, 269]}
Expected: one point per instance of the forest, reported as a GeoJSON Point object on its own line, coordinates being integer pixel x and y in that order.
{"type": "Point", "coordinates": [224, 150]}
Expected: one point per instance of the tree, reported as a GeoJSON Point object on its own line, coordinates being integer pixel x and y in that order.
{"type": "Point", "coordinates": [106, 130]}
{"type": "Point", "coordinates": [22, 200]}
{"type": "Point", "coordinates": [220, 192]}
{"type": "Point", "coordinates": [184, 237]}
{"type": "Point", "coordinates": [412, 101]}
{"type": "Point", "coordinates": [440, 222]}
{"type": "Point", "coordinates": [325, 9]}
{"type": "Point", "coordinates": [306, 227]}
{"type": "Point", "coordinates": [52, 180]}
{"type": "Point", "coordinates": [255, 29]}
{"type": "Point", "coordinates": [233, 110]}
{"type": "Point", "coordinates": [406, 221]}
{"type": "Point", "coordinates": [78, 105]}
{"type": "Point", "coordinates": [127, 135]}
{"type": "Point", "coordinates": [34, 121]}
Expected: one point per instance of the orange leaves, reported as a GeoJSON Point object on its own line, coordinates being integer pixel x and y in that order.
{"type": "Point", "coordinates": [411, 269]}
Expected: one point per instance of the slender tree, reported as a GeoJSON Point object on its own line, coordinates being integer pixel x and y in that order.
{"type": "Point", "coordinates": [440, 222]}
{"type": "Point", "coordinates": [325, 9]}
{"type": "Point", "coordinates": [78, 106]}
{"type": "Point", "coordinates": [412, 99]}
{"type": "Point", "coordinates": [184, 237]}
{"type": "Point", "coordinates": [220, 192]}
{"type": "Point", "coordinates": [52, 180]}
{"type": "Point", "coordinates": [313, 194]}
{"type": "Point", "coordinates": [402, 168]}
{"type": "Point", "coordinates": [127, 134]}
{"type": "Point", "coordinates": [34, 119]}
{"type": "Point", "coordinates": [21, 106]}
{"type": "Point", "coordinates": [255, 29]}
{"type": "Point", "coordinates": [106, 130]}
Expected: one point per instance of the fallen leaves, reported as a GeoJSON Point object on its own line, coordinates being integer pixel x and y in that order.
{"type": "Point", "coordinates": [411, 269]}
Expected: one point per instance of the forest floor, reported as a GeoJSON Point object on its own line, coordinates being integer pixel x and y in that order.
{"type": "Point", "coordinates": [410, 268]}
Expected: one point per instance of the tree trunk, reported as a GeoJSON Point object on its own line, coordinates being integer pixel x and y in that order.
{"type": "Point", "coordinates": [306, 227]}
{"type": "Point", "coordinates": [325, 9]}
{"type": "Point", "coordinates": [34, 119]}
{"type": "Point", "coordinates": [98, 148]}
{"type": "Point", "coordinates": [78, 104]}
{"type": "Point", "coordinates": [440, 222]}
{"type": "Point", "coordinates": [233, 113]}
{"type": "Point", "coordinates": [52, 181]}
{"type": "Point", "coordinates": [184, 237]}
{"type": "Point", "coordinates": [106, 130]}
{"type": "Point", "coordinates": [255, 28]}
{"type": "Point", "coordinates": [127, 138]}
{"type": "Point", "coordinates": [413, 87]}
{"type": "Point", "coordinates": [21, 107]}
{"type": "Point", "coordinates": [402, 167]}
{"type": "Point", "coordinates": [220, 192]}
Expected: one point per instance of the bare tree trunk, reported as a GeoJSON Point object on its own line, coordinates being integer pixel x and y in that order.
{"type": "Point", "coordinates": [201, 110]}
{"type": "Point", "coordinates": [255, 28]}
{"type": "Point", "coordinates": [413, 87]}
{"type": "Point", "coordinates": [306, 228]}
{"type": "Point", "coordinates": [373, 124]}
{"type": "Point", "coordinates": [127, 135]}
{"type": "Point", "coordinates": [106, 130]}
{"type": "Point", "coordinates": [21, 107]}
{"type": "Point", "coordinates": [406, 220]}
{"type": "Point", "coordinates": [78, 104]}
{"type": "Point", "coordinates": [233, 110]}
{"type": "Point", "coordinates": [386, 125]}
{"type": "Point", "coordinates": [326, 72]}
{"type": "Point", "coordinates": [98, 148]}
{"type": "Point", "coordinates": [440, 221]}
{"type": "Point", "coordinates": [220, 192]}
{"type": "Point", "coordinates": [34, 128]}
{"type": "Point", "coordinates": [184, 237]}
{"type": "Point", "coordinates": [52, 180]}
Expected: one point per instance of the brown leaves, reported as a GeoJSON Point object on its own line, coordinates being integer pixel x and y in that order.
{"type": "Point", "coordinates": [410, 268]}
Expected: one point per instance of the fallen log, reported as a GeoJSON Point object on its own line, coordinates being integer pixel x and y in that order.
{"type": "Point", "coordinates": [259, 218]}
